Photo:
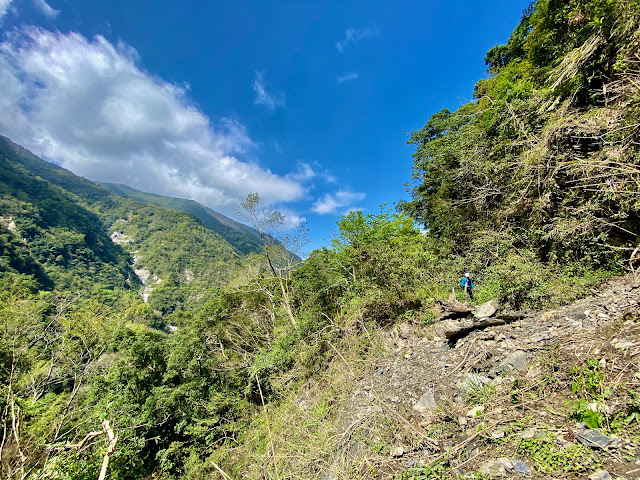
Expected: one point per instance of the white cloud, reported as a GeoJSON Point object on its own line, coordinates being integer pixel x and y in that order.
{"type": "Point", "coordinates": [45, 8]}
{"type": "Point", "coordinates": [327, 177]}
{"type": "Point", "coordinates": [308, 171]}
{"type": "Point", "coordinates": [331, 203]}
{"type": "Point", "coordinates": [305, 172]}
{"type": "Point", "coordinates": [4, 7]}
{"type": "Point", "coordinates": [353, 35]}
{"type": "Point", "coordinates": [347, 77]}
{"type": "Point", "coordinates": [88, 106]}
{"type": "Point", "coordinates": [292, 219]}
{"type": "Point", "coordinates": [323, 173]}
{"type": "Point", "coordinates": [270, 101]}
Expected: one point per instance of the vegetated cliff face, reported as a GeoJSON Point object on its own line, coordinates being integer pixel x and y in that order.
{"type": "Point", "coordinates": [553, 394]}
{"type": "Point", "coordinates": [243, 238]}
{"type": "Point", "coordinates": [545, 161]}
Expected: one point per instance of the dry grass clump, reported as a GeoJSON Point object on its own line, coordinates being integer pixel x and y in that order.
{"type": "Point", "coordinates": [573, 61]}
{"type": "Point", "coordinates": [306, 433]}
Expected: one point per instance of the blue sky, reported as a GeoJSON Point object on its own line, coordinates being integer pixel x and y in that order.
{"type": "Point", "coordinates": [307, 103]}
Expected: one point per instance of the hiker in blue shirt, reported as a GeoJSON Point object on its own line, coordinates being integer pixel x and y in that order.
{"type": "Point", "coordinates": [467, 286]}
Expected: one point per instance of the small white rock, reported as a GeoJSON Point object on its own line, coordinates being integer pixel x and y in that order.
{"type": "Point", "coordinates": [528, 433]}
{"type": "Point", "coordinates": [493, 469]}
{"type": "Point", "coordinates": [600, 475]}
{"type": "Point", "coordinates": [475, 412]}
{"type": "Point", "coordinates": [506, 463]}
{"type": "Point", "coordinates": [397, 452]}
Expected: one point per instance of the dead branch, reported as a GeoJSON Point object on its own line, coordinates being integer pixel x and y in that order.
{"type": "Point", "coordinates": [633, 257]}
{"type": "Point", "coordinates": [111, 447]}
{"type": "Point", "coordinates": [81, 445]}
{"type": "Point", "coordinates": [220, 471]}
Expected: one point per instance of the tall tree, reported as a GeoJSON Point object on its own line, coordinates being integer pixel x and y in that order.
{"type": "Point", "coordinates": [279, 247]}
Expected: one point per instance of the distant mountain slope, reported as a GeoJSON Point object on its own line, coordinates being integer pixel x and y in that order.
{"type": "Point", "coordinates": [85, 189]}
{"type": "Point", "coordinates": [243, 238]}
{"type": "Point", "coordinates": [54, 233]}
{"type": "Point", "coordinates": [58, 227]}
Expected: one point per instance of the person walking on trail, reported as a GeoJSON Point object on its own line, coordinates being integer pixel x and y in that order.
{"type": "Point", "coordinates": [467, 286]}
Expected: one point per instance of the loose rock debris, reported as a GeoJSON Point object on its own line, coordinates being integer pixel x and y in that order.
{"type": "Point", "coordinates": [509, 396]}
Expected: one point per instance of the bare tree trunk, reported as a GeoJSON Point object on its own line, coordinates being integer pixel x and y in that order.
{"type": "Point", "coordinates": [15, 426]}
{"type": "Point", "coordinates": [113, 439]}
{"type": "Point", "coordinates": [265, 219]}
{"type": "Point", "coordinates": [283, 289]}
{"type": "Point", "coordinates": [631, 259]}
{"type": "Point", "coordinates": [286, 303]}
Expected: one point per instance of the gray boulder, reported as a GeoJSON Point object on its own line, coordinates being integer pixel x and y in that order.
{"type": "Point", "coordinates": [516, 361]}
{"type": "Point", "coordinates": [493, 469]}
{"type": "Point", "coordinates": [426, 403]}
{"type": "Point", "coordinates": [521, 467]}
{"type": "Point", "coordinates": [600, 475]}
{"type": "Point", "coordinates": [593, 437]}
{"type": "Point", "coordinates": [487, 309]}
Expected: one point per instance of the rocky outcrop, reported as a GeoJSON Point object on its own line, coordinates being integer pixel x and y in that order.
{"type": "Point", "coordinates": [119, 238]}
{"type": "Point", "coordinates": [8, 223]}
{"type": "Point", "coordinates": [468, 319]}
{"type": "Point", "coordinates": [452, 309]}
{"type": "Point", "coordinates": [147, 279]}
{"type": "Point", "coordinates": [487, 310]}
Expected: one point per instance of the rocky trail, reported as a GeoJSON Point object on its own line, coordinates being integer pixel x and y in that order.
{"type": "Point", "coordinates": [484, 394]}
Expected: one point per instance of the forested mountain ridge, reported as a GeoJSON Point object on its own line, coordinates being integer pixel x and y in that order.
{"type": "Point", "coordinates": [243, 238]}
{"type": "Point", "coordinates": [76, 218]}
{"type": "Point", "coordinates": [66, 242]}
{"type": "Point", "coordinates": [300, 373]}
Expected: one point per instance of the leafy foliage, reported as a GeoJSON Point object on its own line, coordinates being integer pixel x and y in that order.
{"type": "Point", "coordinates": [536, 161]}
{"type": "Point", "coordinates": [57, 232]}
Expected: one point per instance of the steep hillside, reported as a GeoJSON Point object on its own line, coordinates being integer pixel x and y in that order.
{"type": "Point", "coordinates": [543, 166]}
{"type": "Point", "coordinates": [63, 242]}
{"type": "Point", "coordinates": [534, 187]}
{"type": "Point", "coordinates": [178, 258]}
{"type": "Point", "coordinates": [539, 394]}
{"type": "Point", "coordinates": [353, 364]}
{"type": "Point", "coordinates": [243, 238]}
{"type": "Point", "coordinates": [66, 223]}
